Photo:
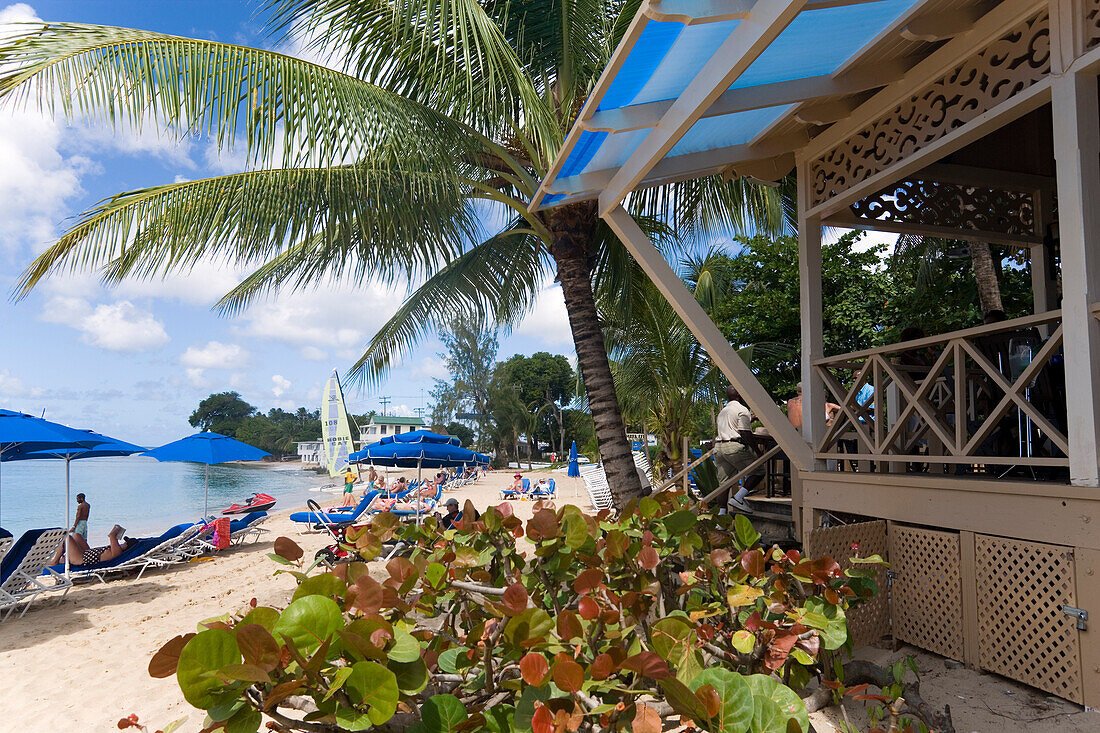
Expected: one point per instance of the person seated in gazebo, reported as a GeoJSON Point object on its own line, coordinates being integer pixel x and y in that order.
{"type": "Point", "coordinates": [80, 553]}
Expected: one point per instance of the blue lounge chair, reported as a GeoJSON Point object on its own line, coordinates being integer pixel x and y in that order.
{"type": "Point", "coordinates": [522, 493]}
{"type": "Point", "coordinates": [336, 517]}
{"type": "Point", "coordinates": [23, 566]}
{"type": "Point", "coordinates": [547, 493]}
{"type": "Point", "coordinates": [166, 549]}
{"type": "Point", "coordinates": [431, 503]}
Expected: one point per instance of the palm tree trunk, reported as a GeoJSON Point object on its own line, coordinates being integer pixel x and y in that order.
{"type": "Point", "coordinates": [573, 227]}
{"type": "Point", "coordinates": [985, 275]}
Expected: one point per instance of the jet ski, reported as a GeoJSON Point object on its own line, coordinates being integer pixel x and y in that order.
{"type": "Point", "coordinates": [255, 503]}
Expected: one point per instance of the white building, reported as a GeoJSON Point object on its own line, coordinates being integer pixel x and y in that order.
{"type": "Point", "coordinates": [310, 452]}
{"type": "Point", "coordinates": [382, 425]}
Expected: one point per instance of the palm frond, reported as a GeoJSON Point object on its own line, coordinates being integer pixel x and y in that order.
{"type": "Point", "coordinates": [338, 219]}
{"type": "Point", "coordinates": [284, 108]}
{"type": "Point", "coordinates": [494, 282]}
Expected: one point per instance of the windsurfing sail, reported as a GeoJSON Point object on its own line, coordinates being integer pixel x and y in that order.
{"type": "Point", "coordinates": [335, 429]}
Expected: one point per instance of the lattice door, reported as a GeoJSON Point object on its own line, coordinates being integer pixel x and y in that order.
{"type": "Point", "coordinates": [869, 621]}
{"type": "Point", "coordinates": [927, 589]}
{"type": "Point", "coordinates": [1022, 632]}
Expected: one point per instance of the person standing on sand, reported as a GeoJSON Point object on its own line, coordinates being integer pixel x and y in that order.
{"type": "Point", "coordinates": [80, 526]}
{"type": "Point", "coordinates": [349, 487]}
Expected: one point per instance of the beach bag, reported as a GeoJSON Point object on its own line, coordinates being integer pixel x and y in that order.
{"type": "Point", "coordinates": [221, 533]}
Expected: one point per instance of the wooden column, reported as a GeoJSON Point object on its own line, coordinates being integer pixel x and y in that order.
{"type": "Point", "coordinates": [1077, 155]}
{"type": "Point", "coordinates": [809, 301]}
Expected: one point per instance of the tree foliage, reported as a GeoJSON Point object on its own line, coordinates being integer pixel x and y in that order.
{"type": "Point", "coordinates": [614, 622]}
{"type": "Point", "coordinates": [275, 432]}
{"type": "Point", "coordinates": [221, 413]}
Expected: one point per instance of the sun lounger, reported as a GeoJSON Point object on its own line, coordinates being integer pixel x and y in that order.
{"type": "Point", "coordinates": [595, 482]}
{"type": "Point", "coordinates": [21, 570]}
{"type": "Point", "coordinates": [247, 526]}
{"type": "Point", "coordinates": [311, 518]}
{"type": "Point", "coordinates": [5, 545]}
{"type": "Point", "coordinates": [520, 493]}
{"type": "Point", "coordinates": [173, 546]}
{"type": "Point", "coordinates": [544, 491]}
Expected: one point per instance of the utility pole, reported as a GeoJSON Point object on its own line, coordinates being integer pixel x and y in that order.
{"type": "Point", "coordinates": [419, 412]}
{"type": "Point", "coordinates": [385, 403]}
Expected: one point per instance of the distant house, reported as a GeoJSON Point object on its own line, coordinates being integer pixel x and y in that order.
{"type": "Point", "coordinates": [382, 425]}
{"type": "Point", "coordinates": [310, 451]}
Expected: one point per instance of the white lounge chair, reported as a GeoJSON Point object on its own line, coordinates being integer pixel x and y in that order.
{"type": "Point", "coordinates": [21, 570]}
{"type": "Point", "coordinates": [595, 482]}
{"type": "Point", "coordinates": [5, 545]}
{"type": "Point", "coordinates": [152, 552]}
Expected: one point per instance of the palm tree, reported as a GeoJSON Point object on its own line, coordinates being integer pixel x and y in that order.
{"type": "Point", "coordinates": [441, 116]}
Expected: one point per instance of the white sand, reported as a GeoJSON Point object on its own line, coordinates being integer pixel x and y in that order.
{"type": "Point", "coordinates": [81, 665]}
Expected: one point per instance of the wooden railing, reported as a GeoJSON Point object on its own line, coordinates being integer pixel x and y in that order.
{"type": "Point", "coordinates": [991, 396]}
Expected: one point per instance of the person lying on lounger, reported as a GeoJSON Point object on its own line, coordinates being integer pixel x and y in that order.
{"type": "Point", "coordinates": [80, 553]}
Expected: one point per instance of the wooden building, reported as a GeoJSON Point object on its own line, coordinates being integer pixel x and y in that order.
{"type": "Point", "coordinates": [977, 121]}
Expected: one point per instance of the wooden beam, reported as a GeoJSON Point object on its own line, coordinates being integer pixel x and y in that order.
{"type": "Point", "coordinates": [694, 12]}
{"type": "Point", "coordinates": [826, 113]}
{"type": "Point", "coordinates": [846, 219]}
{"type": "Point", "coordinates": [710, 337]}
{"type": "Point", "coordinates": [810, 320]}
{"type": "Point", "coordinates": [750, 38]}
{"type": "Point", "coordinates": [941, 26]}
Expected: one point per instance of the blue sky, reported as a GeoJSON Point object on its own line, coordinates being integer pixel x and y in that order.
{"type": "Point", "coordinates": [135, 360]}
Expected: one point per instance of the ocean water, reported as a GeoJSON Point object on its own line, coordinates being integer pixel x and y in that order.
{"type": "Point", "coordinates": [142, 494]}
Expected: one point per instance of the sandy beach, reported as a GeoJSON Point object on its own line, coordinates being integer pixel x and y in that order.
{"type": "Point", "coordinates": [82, 664]}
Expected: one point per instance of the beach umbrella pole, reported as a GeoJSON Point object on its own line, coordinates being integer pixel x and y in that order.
{"type": "Point", "coordinates": [206, 494]}
{"type": "Point", "coordinates": [419, 493]}
{"type": "Point", "coordinates": [68, 459]}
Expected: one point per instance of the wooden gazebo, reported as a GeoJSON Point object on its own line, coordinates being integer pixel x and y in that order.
{"type": "Point", "coordinates": [973, 471]}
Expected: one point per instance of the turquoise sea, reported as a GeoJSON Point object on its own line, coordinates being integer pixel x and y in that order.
{"type": "Point", "coordinates": [141, 494]}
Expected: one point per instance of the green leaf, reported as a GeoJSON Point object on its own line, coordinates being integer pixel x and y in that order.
{"type": "Point", "coordinates": [448, 661]}
{"type": "Point", "coordinates": [200, 661]}
{"type": "Point", "coordinates": [325, 584]}
{"type": "Point", "coordinates": [374, 685]}
{"type": "Point", "coordinates": [767, 717]}
{"type": "Point", "coordinates": [434, 573]}
{"type": "Point", "coordinates": [309, 621]}
{"type": "Point", "coordinates": [245, 720]}
{"type": "Point", "coordinates": [784, 697]}
{"type": "Point", "coordinates": [736, 711]}
{"type": "Point", "coordinates": [746, 535]}
{"type": "Point", "coordinates": [405, 647]}
{"type": "Point", "coordinates": [528, 627]}
{"type": "Point", "coordinates": [648, 507]}
{"type": "Point", "coordinates": [443, 714]}
{"type": "Point", "coordinates": [679, 522]}
{"type": "Point", "coordinates": [525, 706]}
{"type": "Point", "coordinates": [673, 639]}
{"type": "Point", "coordinates": [835, 629]}
{"type": "Point", "coordinates": [575, 529]}
{"type": "Point", "coordinates": [412, 677]}
{"type": "Point", "coordinates": [744, 641]}
{"type": "Point", "coordinates": [337, 682]}
{"type": "Point", "coordinates": [262, 615]}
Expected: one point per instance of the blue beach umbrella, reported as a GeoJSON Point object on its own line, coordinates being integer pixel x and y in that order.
{"type": "Point", "coordinates": [207, 448]}
{"type": "Point", "coordinates": [21, 434]}
{"type": "Point", "coordinates": [574, 467]}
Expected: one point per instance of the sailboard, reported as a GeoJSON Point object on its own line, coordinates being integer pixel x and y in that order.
{"type": "Point", "coordinates": [335, 429]}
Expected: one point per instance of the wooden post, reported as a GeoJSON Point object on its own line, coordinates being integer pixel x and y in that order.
{"type": "Point", "coordinates": [686, 460]}
{"type": "Point", "coordinates": [809, 303]}
{"type": "Point", "coordinates": [1077, 155]}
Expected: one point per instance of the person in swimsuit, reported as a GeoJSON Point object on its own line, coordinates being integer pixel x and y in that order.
{"type": "Point", "coordinates": [80, 526]}
{"type": "Point", "coordinates": [80, 553]}
{"type": "Point", "coordinates": [349, 487]}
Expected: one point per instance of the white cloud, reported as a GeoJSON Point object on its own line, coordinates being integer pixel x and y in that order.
{"type": "Point", "coordinates": [12, 386]}
{"type": "Point", "coordinates": [430, 367]}
{"type": "Point", "coordinates": [197, 378]}
{"type": "Point", "coordinates": [400, 411]}
{"type": "Point", "coordinates": [548, 321]}
{"type": "Point", "coordinates": [215, 355]}
{"type": "Point", "coordinates": [339, 317]}
{"type": "Point", "coordinates": [282, 384]}
{"type": "Point", "coordinates": [118, 326]}
{"type": "Point", "coordinates": [312, 353]}
{"type": "Point", "coordinates": [203, 285]}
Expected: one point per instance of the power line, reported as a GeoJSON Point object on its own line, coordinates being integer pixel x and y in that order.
{"type": "Point", "coordinates": [385, 403]}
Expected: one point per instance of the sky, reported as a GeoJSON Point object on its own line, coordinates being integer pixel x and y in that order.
{"type": "Point", "coordinates": [135, 360]}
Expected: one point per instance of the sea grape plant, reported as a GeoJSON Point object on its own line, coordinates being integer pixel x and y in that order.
{"type": "Point", "coordinates": [567, 621]}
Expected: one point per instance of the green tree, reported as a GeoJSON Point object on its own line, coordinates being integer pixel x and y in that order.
{"type": "Point", "coordinates": [466, 106]}
{"type": "Point", "coordinates": [763, 305]}
{"type": "Point", "coordinates": [460, 431]}
{"type": "Point", "coordinates": [222, 413]}
{"type": "Point", "coordinates": [543, 381]}
{"type": "Point", "coordinates": [471, 354]}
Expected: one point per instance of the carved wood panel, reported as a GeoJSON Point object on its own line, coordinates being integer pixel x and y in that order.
{"type": "Point", "coordinates": [996, 73]}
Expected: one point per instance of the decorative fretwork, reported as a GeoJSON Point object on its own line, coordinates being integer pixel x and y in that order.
{"type": "Point", "coordinates": [927, 589]}
{"type": "Point", "coordinates": [1023, 632]}
{"type": "Point", "coordinates": [1092, 24]}
{"type": "Point", "coordinates": [979, 397]}
{"type": "Point", "coordinates": [869, 621]}
{"type": "Point", "coordinates": [915, 204]}
{"type": "Point", "coordinates": [996, 73]}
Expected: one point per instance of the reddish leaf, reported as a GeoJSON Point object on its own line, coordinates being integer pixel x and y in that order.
{"type": "Point", "coordinates": [648, 558]}
{"type": "Point", "coordinates": [515, 599]}
{"type": "Point", "coordinates": [534, 668]}
{"type": "Point", "coordinates": [568, 675]}
{"type": "Point", "coordinates": [648, 664]}
{"type": "Point", "coordinates": [288, 549]}
{"type": "Point", "coordinates": [779, 649]}
{"type": "Point", "coordinates": [812, 645]}
{"type": "Point", "coordinates": [646, 720]}
{"type": "Point", "coordinates": [610, 616]}
{"type": "Point", "coordinates": [832, 597]}
{"type": "Point", "coordinates": [588, 608]}
{"type": "Point", "coordinates": [602, 667]}
{"type": "Point", "coordinates": [710, 699]}
{"type": "Point", "coordinates": [753, 562]}
{"type": "Point", "coordinates": [543, 720]}
{"type": "Point", "coordinates": [400, 570]}
{"type": "Point", "coordinates": [163, 664]}
{"type": "Point", "coordinates": [720, 557]}
{"type": "Point", "coordinates": [794, 556]}
{"type": "Point", "coordinates": [258, 646]}
{"type": "Point", "coordinates": [877, 698]}
{"type": "Point", "coordinates": [543, 525]}
{"type": "Point", "coordinates": [569, 626]}
{"type": "Point", "coordinates": [588, 581]}
{"type": "Point", "coordinates": [365, 594]}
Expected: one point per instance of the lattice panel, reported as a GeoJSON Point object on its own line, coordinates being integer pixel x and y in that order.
{"type": "Point", "coordinates": [997, 72]}
{"type": "Point", "coordinates": [869, 621]}
{"type": "Point", "coordinates": [927, 589]}
{"type": "Point", "coordinates": [1092, 24]}
{"type": "Point", "coordinates": [972, 208]}
{"type": "Point", "coordinates": [1022, 632]}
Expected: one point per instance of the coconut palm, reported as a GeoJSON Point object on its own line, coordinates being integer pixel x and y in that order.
{"type": "Point", "coordinates": [428, 119]}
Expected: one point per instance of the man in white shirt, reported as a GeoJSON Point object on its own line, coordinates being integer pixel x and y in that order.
{"type": "Point", "coordinates": [734, 448]}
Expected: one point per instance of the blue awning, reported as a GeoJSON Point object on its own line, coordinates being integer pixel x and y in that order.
{"type": "Point", "coordinates": [670, 43]}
